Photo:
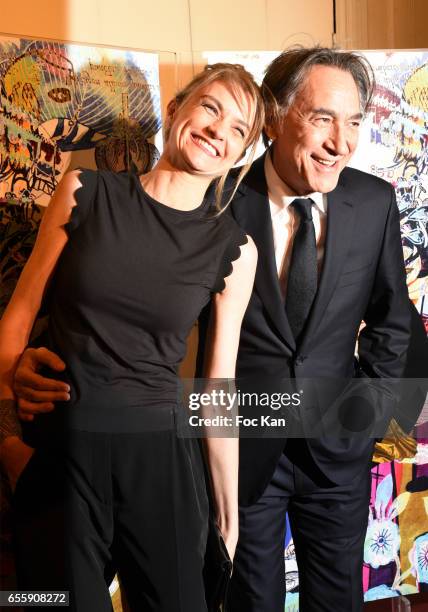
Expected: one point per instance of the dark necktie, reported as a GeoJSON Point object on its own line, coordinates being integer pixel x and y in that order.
{"type": "Point", "coordinates": [302, 274]}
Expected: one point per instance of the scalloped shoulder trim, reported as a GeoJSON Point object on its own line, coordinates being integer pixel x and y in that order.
{"type": "Point", "coordinates": [231, 254]}
{"type": "Point", "coordinates": [84, 196]}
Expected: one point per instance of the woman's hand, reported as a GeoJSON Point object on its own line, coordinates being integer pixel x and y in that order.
{"type": "Point", "coordinates": [229, 529]}
{"type": "Point", "coordinates": [36, 393]}
{"type": "Point", "coordinates": [15, 455]}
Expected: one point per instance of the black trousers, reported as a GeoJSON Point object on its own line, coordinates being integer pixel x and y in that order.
{"type": "Point", "coordinates": [328, 524]}
{"type": "Point", "coordinates": [131, 503]}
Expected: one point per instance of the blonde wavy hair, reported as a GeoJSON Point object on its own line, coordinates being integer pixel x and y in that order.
{"type": "Point", "coordinates": [239, 80]}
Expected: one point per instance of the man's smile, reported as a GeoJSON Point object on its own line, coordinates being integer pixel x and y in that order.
{"type": "Point", "coordinates": [327, 163]}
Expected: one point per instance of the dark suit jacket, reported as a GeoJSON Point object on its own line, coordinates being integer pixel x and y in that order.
{"type": "Point", "coordinates": [363, 279]}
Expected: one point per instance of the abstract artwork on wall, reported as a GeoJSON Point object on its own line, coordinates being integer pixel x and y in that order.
{"type": "Point", "coordinates": [394, 146]}
{"type": "Point", "coordinates": [62, 106]}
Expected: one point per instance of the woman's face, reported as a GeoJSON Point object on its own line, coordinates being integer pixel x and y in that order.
{"type": "Point", "coordinates": [210, 129]}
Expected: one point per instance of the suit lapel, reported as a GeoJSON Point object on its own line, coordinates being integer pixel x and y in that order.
{"type": "Point", "coordinates": [251, 211]}
{"type": "Point", "coordinates": [340, 225]}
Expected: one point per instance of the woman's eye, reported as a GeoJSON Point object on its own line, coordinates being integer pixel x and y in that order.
{"type": "Point", "coordinates": [240, 131]}
{"type": "Point", "coordinates": [210, 108]}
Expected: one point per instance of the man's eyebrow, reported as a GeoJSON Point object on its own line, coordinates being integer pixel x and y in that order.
{"type": "Point", "coordinates": [220, 106]}
{"type": "Point", "coordinates": [332, 113]}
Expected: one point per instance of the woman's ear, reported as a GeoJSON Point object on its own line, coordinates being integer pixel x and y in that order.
{"type": "Point", "coordinates": [171, 108]}
{"type": "Point", "coordinates": [170, 112]}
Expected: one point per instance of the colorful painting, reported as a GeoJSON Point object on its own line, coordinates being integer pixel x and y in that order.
{"type": "Point", "coordinates": [393, 145]}
{"type": "Point", "coordinates": [396, 545]}
{"type": "Point", "coordinates": [63, 106]}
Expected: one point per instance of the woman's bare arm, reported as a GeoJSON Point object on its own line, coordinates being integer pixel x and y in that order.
{"type": "Point", "coordinates": [21, 312]}
{"type": "Point", "coordinates": [220, 362]}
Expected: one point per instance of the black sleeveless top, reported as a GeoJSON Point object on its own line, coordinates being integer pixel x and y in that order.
{"type": "Point", "coordinates": [129, 285]}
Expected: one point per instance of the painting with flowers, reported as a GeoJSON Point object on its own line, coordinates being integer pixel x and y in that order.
{"type": "Point", "coordinates": [396, 546]}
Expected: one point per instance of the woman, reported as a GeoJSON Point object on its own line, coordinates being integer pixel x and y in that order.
{"type": "Point", "coordinates": [131, 262]}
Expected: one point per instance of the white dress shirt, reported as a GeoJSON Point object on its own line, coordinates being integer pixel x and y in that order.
{"type": "Point", "coordinates": [285, 221]}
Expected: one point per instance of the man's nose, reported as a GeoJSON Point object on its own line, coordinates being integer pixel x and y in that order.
{"type": "Point", "coordinates": [338, 139]}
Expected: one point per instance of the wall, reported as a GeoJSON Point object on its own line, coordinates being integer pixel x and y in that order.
{"type": "Point", "coordinates": [181, 29]}
{"type": "Point", "coordinates": [382, 24]}
{"type": "Point", "coordinates": [177, 25]}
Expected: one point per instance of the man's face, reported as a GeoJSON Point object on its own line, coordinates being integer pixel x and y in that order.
{"type": "Point", "coordinates": [319, 133]}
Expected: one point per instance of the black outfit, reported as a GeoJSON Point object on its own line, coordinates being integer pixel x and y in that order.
{"type": "Point", "coordinates": [328, 524]}
{"type": "Point", "coordinates": [324, 481]}
{"type": "Point", "coordinates": [130, 283]}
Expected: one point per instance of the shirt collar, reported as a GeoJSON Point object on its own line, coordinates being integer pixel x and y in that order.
{"type": "Point", "coordinates": [280, 194]}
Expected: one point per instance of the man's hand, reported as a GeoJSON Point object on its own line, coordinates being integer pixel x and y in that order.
{"type": "Point", "coordinates": [37, 393]}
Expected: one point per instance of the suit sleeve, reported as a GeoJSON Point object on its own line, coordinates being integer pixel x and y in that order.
{"type": "Point", "coordinates": [414, 390]}
{"type": "Point", "coordinates": [384, 342]}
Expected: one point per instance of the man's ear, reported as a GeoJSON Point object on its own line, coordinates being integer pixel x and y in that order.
{"type": "Point", "coordinates": [271, 132]}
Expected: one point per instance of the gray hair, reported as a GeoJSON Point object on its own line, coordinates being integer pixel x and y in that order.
{"type": "Point", "coordinates": [286, 74]}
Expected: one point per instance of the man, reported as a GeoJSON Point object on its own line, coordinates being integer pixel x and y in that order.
{"type": "Point", "coordinates": [338, 251]}
{"type": "Point", "coordinates": [316, 99]}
